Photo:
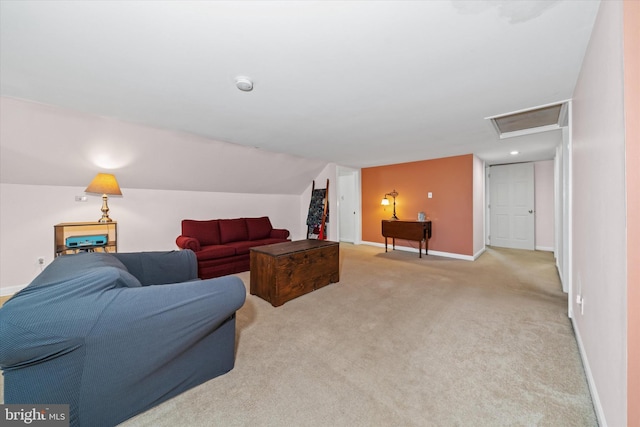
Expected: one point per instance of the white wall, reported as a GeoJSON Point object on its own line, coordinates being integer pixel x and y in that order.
{"type": "Point", "coordinates": [599, 216]}
{"type": "Point", "coordinates": [148, 220]}
{"type": "Point", "coordinates": [330, 172]}
{"type": "Point", "coordinates": [49, 154]}
{"type": "Point", "coordinates": [544, 204]}
{"type": "Point", "coordinates": [48, 145]}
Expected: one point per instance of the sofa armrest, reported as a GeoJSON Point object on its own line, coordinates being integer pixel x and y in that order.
{"type": "Point", "coordinates": [185, 242]}
{"type": "Point", "coordinates": [155, 342]}
{"type": "Point", "coordinates": [183, 307]}
{"type": "Point", "coordinates": [279, 233]}
{"type": "Point", "coordinates": [158, 268]}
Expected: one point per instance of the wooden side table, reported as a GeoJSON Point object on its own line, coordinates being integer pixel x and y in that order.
{"type": "Point", "coordinates": [65, 230]}
{"type": "Point", "coordinates": [419, 231]}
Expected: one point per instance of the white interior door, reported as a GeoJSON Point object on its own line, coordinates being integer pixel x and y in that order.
{"type": "Point", "coordinates": [512, 206]}
{"type": "Point", "coordinates": [347, 208]}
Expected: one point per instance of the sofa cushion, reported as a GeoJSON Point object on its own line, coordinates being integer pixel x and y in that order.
{"type": "Point", "coordinates": [207, 232]}
{"type": "Point", "coordinates": [160, 267]}
{"type": "Point", "coordinates": [242, 248]}
{"type": "Point", "coordinates": [258, 228]}
{"type": "Point", "coordinates": [214, 252]}
{"type": "Point", "coordinates": [267, 241]}
{"type": "Point", "coordinates": [233, 230]}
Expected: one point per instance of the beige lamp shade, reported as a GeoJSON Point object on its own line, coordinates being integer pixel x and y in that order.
{"type": "Point", "coordinates": [385, 202]}
{"type": "Point", "coordinates": [104, 183]}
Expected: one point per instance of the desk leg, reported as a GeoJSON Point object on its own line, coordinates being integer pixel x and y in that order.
{"type": "Point", "coordinates": [385, 244]}
{"type": "Point", "coordinates": [393, 239]}
{"type": "Point", "coordinates": [420, 249]}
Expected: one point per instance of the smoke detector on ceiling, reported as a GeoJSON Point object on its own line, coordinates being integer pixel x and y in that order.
{"type": "Point", "coordinates": [244, 84]}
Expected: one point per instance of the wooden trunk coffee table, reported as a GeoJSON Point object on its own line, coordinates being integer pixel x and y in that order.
{"type": "Point", "coordinates": [284, 271]}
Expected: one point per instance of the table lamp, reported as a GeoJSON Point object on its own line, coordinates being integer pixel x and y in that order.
{"type": "Point", "coordinates": [105, 184]}
{"type": "Point", "coordinates": [385, 202]}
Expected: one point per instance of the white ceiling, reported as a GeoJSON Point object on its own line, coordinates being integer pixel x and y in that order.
{"type": "Point", "coordinates": [358, 83]}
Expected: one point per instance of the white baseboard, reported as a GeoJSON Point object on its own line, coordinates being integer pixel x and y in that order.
{"type": "Point", "coordinates": [602, 422]}
{"type": "Point", "coordinates": [480, 252]}
{"type": "Point", "coordinates": [10, 290]}
{"type": "Point", "coordinates": [431, 252]}
{"type": "Point", "coordinates": [544, 248]}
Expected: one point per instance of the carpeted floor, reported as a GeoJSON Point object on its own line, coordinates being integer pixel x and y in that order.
{"type": "Point", "coordinates": [402, 341]}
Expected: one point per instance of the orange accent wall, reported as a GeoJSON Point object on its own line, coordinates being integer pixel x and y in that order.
{"type": "Point", "coordinates": [632, 142]}
{"type": "Point", "coordinates": [449, 179]}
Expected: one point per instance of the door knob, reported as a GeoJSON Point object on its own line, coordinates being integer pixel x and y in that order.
{"type": "Point", "coordinates": [530, 211]}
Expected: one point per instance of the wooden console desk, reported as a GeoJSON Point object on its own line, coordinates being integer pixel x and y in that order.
{"type": "Point", "coordinates": [419, 231]}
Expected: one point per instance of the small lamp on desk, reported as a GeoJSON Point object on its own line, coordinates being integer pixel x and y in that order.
{"type": "Point", "coordinates": [107, 185]}
{"type": "Point", "coordinates": [385, 202]}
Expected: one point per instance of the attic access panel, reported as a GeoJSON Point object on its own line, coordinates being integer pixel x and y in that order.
{"type": "Point", "coordinates": [539, 119]}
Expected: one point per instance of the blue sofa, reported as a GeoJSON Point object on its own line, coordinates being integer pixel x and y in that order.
{"type": "Point", "coordinates": [113, 335]}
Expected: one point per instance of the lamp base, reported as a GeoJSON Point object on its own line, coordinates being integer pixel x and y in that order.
{"type": "Point", "coordinates": [105, 210]}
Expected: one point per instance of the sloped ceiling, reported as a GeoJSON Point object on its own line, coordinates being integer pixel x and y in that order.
{"type": "Point", "coordinates": [358, 83]}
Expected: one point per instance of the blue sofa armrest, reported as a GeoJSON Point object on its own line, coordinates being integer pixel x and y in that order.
{"type": "Point", "coordinates": [162, 340]}
{"type": "Point", "coordinates": [159, 268]}
{"type": "Point", "coordinates": [81, 323]}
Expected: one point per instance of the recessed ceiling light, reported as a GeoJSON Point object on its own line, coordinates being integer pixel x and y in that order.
{"type": "Point", "coordinates": [244, 84]}
{"type": "Point", "coordinates": [514, 153]}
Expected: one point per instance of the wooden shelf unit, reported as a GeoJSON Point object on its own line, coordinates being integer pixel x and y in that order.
{"type": "Point", "coordinates": [74, 229]}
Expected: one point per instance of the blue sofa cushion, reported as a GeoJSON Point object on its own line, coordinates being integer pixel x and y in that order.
{"type": "Point", "coordinates": [160, 267]}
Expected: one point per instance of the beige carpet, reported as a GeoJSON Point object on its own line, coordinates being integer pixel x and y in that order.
{"type": "Point", "coordinates": [402, 341]}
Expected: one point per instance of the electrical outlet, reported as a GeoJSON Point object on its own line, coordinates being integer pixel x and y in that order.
{"type": "Point", "coordinates": [580, 302]}
{"type": "Point", "coordinates": [81, 198]}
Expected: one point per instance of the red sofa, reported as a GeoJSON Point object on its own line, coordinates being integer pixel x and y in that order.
{"type": "Point", "coordinates": [222, 245]}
